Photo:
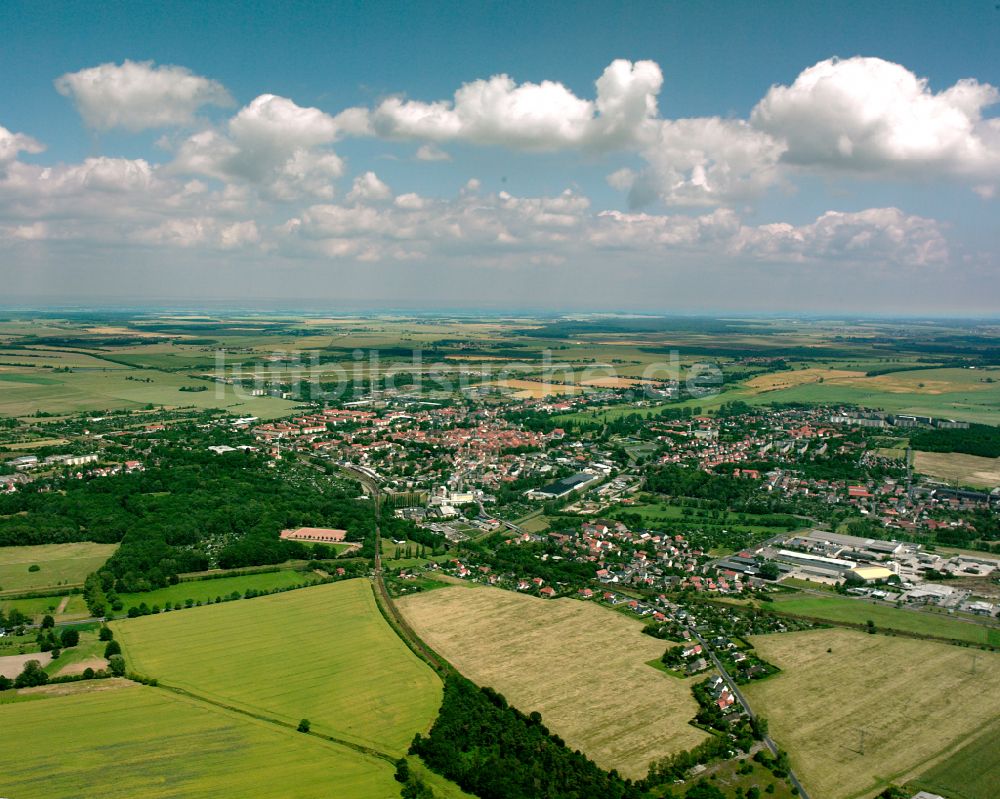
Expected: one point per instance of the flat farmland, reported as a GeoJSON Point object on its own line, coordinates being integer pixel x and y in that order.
{"type": "Point", "coordinates": [62, 608]}
{"type": "Point", "coordinates": [973, 772]}
{"type": "Point", "coordinates": [917, 702]}
{"type": "Point", "coordinates": [798, 377]}
{"type": "Point", "coordinates": [27, 390]}
{"type": "Point", "coordinates": [322, 653]}
{"type": "Point", "coordinates": [970, 470]}
{"type": "Point", "coordinates": [583, 667]}
{"type": "Point", "coordinates": [973, 403]}
{"type": "Point", "coordinates": [59, 564]}
{"type": "Point", "coordinates": [128, 740]}
{"type": "Point", "coordinates": [858, 611]}
{"type": "Point", "coordinates": [533, 388]}
{"type": "Point", "coordinates": [208, 590]}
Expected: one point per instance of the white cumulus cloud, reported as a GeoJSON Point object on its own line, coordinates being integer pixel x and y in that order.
{"type": "Point", "coordinates": [428, 152]}
{"type": "Point", "coordinates": [704, 161]}
{"type": "Point", "coordinates": [531, 116]}
{"type": "Point", "coordinates": [369, 187]}
{"type": "Point", "coordinates": [871, 115]}
{"type": "Point", "coordinates": [138, 95]}
{"type": "Point", "coordinates": [876, 235]}
{"type": "Point", "coordinates": [13, 143]}
{"type": "Point", "coordinates": [272, 143]}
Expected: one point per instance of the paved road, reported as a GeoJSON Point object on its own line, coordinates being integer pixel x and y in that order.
{"type": "Point", "coordinates": [746, 706]}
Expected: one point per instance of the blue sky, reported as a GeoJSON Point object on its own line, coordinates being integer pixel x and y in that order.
{"type": "Point", "coordinates": [317, 151]}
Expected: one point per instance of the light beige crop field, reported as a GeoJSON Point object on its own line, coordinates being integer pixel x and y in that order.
{"type": "Point", "coordinates": [972, 470]}
{"type": "Point", "coordinates": [533, 388]}
{"type": "Point", "coordinates": [583, 667]}
{"type": "Point", "coordinates": [786, 379]}
{"type": "Point", "coordinates": [916, 701]}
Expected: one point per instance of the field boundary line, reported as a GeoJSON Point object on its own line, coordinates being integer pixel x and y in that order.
{"type": "Point", "coordinates": [882, 630]}
{"type": "Point", "coordinates": [406, 633]}
{"type": "Point", "coordinates": [384, 602]}
{"type": "Point", "coordinates": [370, 751]}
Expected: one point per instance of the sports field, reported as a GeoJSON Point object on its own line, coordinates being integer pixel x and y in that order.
{"type": "Point", "coordinates": [59, 565]}
{"type": "Point", "coordinates": [120, 739]}
{"type": "Point", "coordinates": [321, 653]}
{"type": "Point", "coordinates": [914, 702]}
{"type": "Point", "coordinates": [970, 470]}
{"type": "Point", "coordinates": [858, 611]}
{"type": "Point", "coordinates": [208, 590]}
{"type": "Point", "coordinates": [583, 667]}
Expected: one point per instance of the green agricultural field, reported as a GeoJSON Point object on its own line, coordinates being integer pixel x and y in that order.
{"type": "Point", "coordinates": [127, 740]}
{"type": "Point", "coordinates": [657, 515]}
{"type": "Point", "coordinates": [25, 391]}
{"type": "Point", "coordinates": [207, 590]}
{"type": "Point", "coordinates": [971, 403]}
{"type": "Point", "coordinates": [857, 611]}
{"type": "Point", "coordinates": [322, 653]}
{"type": "Point", "coordinates": [658, 511]}
{"type": "Point", "coordinates": [955, 393]}
{"type": "Point", "coordinates": [59, 565]}
{"type": "Point", "coordinates": [63, 608]}
{"type": "Point", "coordinates": [443, 787]}
{"type": "Point", "coordinates": [88, 653]}
{"type": "Point", "coordinates": [970, 773]}
{"type": "Point", "coordinates": [536, 524]}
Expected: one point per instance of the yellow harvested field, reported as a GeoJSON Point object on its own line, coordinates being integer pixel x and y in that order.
{"type": "Point", "coordinates": [110, 330]}
{"type": "Point", "coordinates": [930, 381]}
{"type": "Point", "coordinates": [476, 358]}
{"type": "Point", "coordinates": [787, 379]}
{"type": "Point", "coordinates": [582, 666]}
{"type": "Point", "coordinates": [916, 701]}
{"type": "Point", "coordinates": [531, 388]}
{"type": "Point", "coordinates": [611, 382]}
{"type": "Point", "coordinates": [955, 467]}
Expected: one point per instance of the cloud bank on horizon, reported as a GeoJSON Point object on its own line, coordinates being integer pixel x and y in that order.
{"type": "Point", "coordinates": [270, 179]}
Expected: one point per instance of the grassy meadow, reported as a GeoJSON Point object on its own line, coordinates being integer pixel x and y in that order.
{"type": "Point", "coordinates": [60, 565]}
{"type": "Point", "coordinates": [857, 611]}
{"type": "Point", "coordinates": [121, 739]}
{"type": "Point", "coordinates": [583, 667]}
{"type": "Point", "coordinates": [61, 608]}
{"type": "Point", "coordinates": [207, 590]}
{"type": "Point", "coordinates": [321, 653]}
{"type": "Point", "coordinates": [25, 391]}
{"type": "Point", "coordinates": [917, 702]}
